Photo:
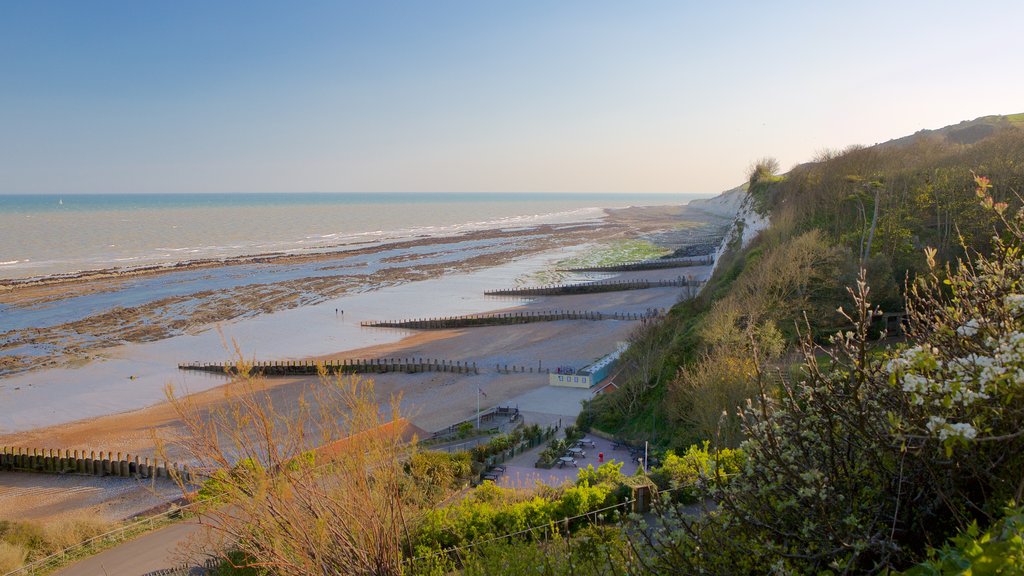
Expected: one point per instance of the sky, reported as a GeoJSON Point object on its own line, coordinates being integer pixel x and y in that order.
{"type": "Point", "coordinates": [478, 96]}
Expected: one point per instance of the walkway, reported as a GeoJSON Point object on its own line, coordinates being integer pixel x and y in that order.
{"type": "Point", "coordinates": [549, 406]}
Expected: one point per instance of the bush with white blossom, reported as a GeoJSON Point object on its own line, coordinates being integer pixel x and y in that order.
{"type": "Point", "coordinates": [875, 455]}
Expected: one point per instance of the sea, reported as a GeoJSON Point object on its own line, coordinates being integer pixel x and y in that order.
{"type": "Point", "coordinates": [48, 235]}
{"type": "Point", "coordinates": [44, 235]}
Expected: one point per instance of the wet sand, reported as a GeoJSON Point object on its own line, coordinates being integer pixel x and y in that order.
{"type": "Point", "coordinates": [433, 400]}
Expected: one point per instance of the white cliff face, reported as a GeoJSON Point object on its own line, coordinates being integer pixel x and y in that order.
{"type": "Point", "coordinates": [726, 204]}
{"type": "Point", "coordinates": [748, 223]}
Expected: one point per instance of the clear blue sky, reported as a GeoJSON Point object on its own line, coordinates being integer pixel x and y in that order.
{"type": "Point", "coordinates": [590, 96]}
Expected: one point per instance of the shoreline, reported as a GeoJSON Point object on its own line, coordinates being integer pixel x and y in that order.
{"type": "Point", "coordinates": [428, 395]}
{"type": "Point", "coordinates": [115, 380]}
{"type": "Point", "coordinates": [432, 401]}
{"type": "Point", "coordinates": [67, 322]}
{"type": "Point", "coordinates": [325, 252]}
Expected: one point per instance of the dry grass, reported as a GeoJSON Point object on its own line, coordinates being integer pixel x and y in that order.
{"type": "Point", "coordinates": [70, 531]}
{"type": "Point", "coordinates": [12, 557]}
{"type": "Point", "coordinates": [23, 540]}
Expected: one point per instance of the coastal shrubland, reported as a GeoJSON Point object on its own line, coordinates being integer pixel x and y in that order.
{"type": "Point", "coordinates": [861, 454]}
{"type": "Point", "coordinates": [824, 228]}
{"type": "Point", "coordinates": [798, 436]}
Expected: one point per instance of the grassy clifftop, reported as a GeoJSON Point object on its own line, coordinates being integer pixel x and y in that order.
{"type": "Point", "coordinates": [876, 208]}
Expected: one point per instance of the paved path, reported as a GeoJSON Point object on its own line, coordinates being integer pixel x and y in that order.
{"type": "Point", "coordinates": [146, 554]}
{"type": "Point", "coordinates": [520, 473]}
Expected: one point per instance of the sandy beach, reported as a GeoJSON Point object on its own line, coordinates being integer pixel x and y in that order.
{"type": "Point", "coordinates": [433, 400]}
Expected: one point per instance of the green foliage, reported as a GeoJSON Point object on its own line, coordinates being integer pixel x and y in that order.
{"type": "Point", "coordinates": [593, 550]}
{"type": "Point", "coordinates": [519, 438]}
{"type": "Point", "coordinates": [690, 473]}
{"type": "Point", "coordinates": [557, 447]}
{"type": "Point", "coordinates": [303, 461]}
{"type": "Point", "coordinates": [434, 474]}
{"type": "Point", "coordinates": [870, 456]}
{"type": "Point", "coordinates": [609, 473]}
{"type": "Point", "coordinates": [225, 483]}
{"type": "Point", "coordinates": [871, 207]}
{"type": "Point", "coordinates": [999, 550]}
{"type": "Point", "coordinates": [490, 511]}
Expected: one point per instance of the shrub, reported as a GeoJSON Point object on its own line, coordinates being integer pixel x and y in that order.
{"type": "Point", "coordinates": [997, 550]}
{"type": "Point", "coordinates": [607, 473]}
{"type": "Point", "coordinates": [871, 456]}
{"type": "Point", "coordinates": [489, 510]}
{"type": "Point", "coordinates": [690, 473]}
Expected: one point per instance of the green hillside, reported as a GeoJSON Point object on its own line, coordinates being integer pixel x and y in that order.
{"type": "Point", "coordinates": [793, 433]}
{"type": "Point", "coordinates": [762, 336]}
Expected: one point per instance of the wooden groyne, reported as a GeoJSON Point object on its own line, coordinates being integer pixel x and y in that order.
{"type": "Point", "coordinates": [641, 265]}
{"type": "Point", "coordinates": [57, 461]}
{"type": "Point", "coordinates": [311, 367]}
{"type": "Point", "coordinates": [594, 287]}
{"type": "Point", "coordinates": [504, 319]}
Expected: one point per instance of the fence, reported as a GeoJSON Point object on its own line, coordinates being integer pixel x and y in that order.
{"type": "Point", "coordinates": [593, 287]}
{"type": "Point", "coordinates": [59, 461]}
{"type": "Point", "coordinates": [101, 542]}
{"type": "Point", "coordinates": [498, 411]}
{"type": "Point", "coordinates": [525, 445]}
{"type": "Point", "coordinates": [312, 367]}
{"type": "Point", "coordinates": [502, 319]}
{"type": "Point", "coordinates": [645, 265]}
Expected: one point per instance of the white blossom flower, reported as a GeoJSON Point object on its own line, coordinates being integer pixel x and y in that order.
{"type": "Point", "coordinates": [1015, 302]}
{"type": "Point", "coordinates": [969, 328]}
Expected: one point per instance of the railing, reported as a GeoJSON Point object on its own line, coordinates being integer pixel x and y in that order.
{"type": "Point", "coordinates": [100, 542]}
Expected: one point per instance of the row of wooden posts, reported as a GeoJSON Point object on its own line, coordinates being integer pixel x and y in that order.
{"type": "Point", "coordinates": [502, 319]}
{"type": "Point", "coordinates": [57, 461]}
{"type": "Point", "coordinates": [309, 367]}
{"type": "Point", "coordinates": [381, 365]}
{"type": "Point", "coordinates": [593, 287]}
{"type": "Point", "coordinates": [659, 264]}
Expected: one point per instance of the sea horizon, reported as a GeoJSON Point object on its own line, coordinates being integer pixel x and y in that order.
{"type": "Point", "coordinates": [57, 234]}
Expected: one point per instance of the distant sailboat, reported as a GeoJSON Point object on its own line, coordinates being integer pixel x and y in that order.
{"type": "Point", "coordinates": [60, 202]}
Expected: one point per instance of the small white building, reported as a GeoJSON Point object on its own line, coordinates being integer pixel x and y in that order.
{"type": "Point", "coordinates": [577, 380]}
{"type": "Point", "coordinates": [590, 375]}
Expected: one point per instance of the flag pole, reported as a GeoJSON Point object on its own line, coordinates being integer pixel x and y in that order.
{"type": "Point", "coordinates": [478, 407]}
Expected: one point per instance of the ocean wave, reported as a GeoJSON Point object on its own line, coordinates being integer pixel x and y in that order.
{"type": "Point", "coordinates": [131, 255]}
